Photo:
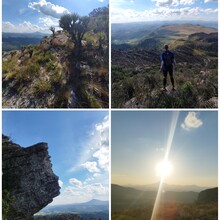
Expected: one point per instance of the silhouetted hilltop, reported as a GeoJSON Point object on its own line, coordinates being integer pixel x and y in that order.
{"type": "Point", "coordinates": [208, 196]}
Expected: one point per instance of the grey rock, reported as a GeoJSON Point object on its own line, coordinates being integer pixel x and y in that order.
{"type": "Point", "coordinates": [28, 177]}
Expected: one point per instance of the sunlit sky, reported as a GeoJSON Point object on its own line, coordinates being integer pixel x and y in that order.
{"type": "Point", "coordinates": [78, 146]}
{"type": "Point", "coordinates": [139, 143]}
{"type": "Point", "coordinates": [25, 16]}
{"type": "Point", "coordinates": [159, 10]}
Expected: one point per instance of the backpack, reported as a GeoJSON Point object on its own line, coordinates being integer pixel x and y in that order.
{"type": "Point", "coordinates": [168, 59]}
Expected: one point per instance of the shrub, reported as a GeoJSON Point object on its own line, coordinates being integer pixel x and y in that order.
{"type": "Point", "coordinates": [42, 87]}
{"type": "Point", "coordinates": [7, 199]}
{"type": "Point", "coordinates": [28, 73]}
{"type": "Point", "coordinates": [43, 60]}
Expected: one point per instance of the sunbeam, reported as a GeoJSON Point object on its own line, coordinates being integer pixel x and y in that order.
{"type": "Point", "coordinates": [165, 161]}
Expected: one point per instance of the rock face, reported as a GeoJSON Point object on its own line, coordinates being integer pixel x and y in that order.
{"type": "Point", "coordinates": [28, 177]}
{"type": "Point", "coordinates": [209, 195]}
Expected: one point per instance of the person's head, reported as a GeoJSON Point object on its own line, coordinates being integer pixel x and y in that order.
{"type": "Point", "coordinates": [166, 47]}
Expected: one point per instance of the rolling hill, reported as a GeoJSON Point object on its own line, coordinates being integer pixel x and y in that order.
{"type": "Point", "coordinates": [168, 187]}
{"type": "Point", "coordinates": [132, 204]}
{"type": "Point", "coordinates": [15, 41]}
{"type": "Point", "coordinates": [126, 197]}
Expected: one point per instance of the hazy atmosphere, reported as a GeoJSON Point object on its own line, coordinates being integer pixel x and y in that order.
{"type": "Point", "coordinates": [139, 141]}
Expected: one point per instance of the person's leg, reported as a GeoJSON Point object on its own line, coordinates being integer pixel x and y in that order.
{"type": "Point", "coordinates": [164, 79]}
{"type": "Point", "coordinates": [171, 78]}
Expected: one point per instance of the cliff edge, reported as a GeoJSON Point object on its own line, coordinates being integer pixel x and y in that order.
{"type": "Point", "coordinates": [28, 179]}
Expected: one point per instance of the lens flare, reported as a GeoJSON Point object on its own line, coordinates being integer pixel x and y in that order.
{"type": "Point", "coordinates": [164, 169]}
{"type": "Point", "coordinates": [165, 161]}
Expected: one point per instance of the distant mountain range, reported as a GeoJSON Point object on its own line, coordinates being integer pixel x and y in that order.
{"type": "Point", "coordinates": [91, 209]}
{"type": "Point", "coordinates": [14, 41]}
{"type": "Point", "coordinates": [167, 187]}
{"type": "Point", "coordinates": [128, 198]}
{"type": "Point", "coordinates": [90, 206]}
{"type": "Point", "coordinates": [135, 31]}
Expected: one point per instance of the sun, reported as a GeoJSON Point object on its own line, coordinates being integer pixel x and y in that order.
{"type": "Point", "coordinates": [164, 169]}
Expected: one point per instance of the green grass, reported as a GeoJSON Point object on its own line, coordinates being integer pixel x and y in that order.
{"type": "Point", "coordinates": [194, 89]}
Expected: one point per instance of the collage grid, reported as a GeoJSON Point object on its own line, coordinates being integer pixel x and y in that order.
{"type": "Point", "coordinates": [86, 121]}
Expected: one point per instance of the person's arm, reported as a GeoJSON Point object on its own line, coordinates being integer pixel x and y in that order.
{"type": "Point", "coordinates": [161, 65]}
{"type": "Point", "coordinates": [162, 62]}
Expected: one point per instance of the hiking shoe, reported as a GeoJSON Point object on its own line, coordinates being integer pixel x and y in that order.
{"type": "Point", "coordinates": [164, 89]}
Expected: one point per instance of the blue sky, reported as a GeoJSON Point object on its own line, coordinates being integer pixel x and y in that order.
{"type": "Point", "coordinates": [123, 11]}
{"type": "Point", "coordinates": [78, 146]}
{"type": "Point", "coordinates": [139, 144]}
{"type": "Point", "coordinates": [25, 16]}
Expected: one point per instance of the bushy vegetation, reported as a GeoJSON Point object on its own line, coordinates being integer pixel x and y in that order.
{"type": "Point", "coordinates": [194, 88]}
{"type": "Point", "coordinates": [170, 211]}
{"type": "Point", "coordinates": [7, 201]}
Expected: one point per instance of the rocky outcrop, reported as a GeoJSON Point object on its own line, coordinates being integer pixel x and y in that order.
{"type": "Point", "coordinates": [208, 195]}
{"type": "Point", "coordinates": [28, 177]}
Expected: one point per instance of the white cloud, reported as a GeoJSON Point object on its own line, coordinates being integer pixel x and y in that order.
{"type": "Point", "coordinates": [191, 121]}
{"type": "Point", "coordinates": [91, 166]}
{"type": "Point", "coordinates": [95, 158]}
{"type": "Point", "coordinates": [103, 158]}
{"type": "Point", "coordinates": [96, 189]}
{"type": "Point", "coordinates": [98, 139]}
{"type": "Point", "coordinates": [60, 183]}
{"type": "Point", "coordinates": [163, 13]}
{"type": "Point", "coordinates": [169, 3]}
{"type": "Point", "coordinates": [25, 27]}
{"type": "Point", "coordinates": [207, 1]}
{"type": "Point", "coordinates": [165, 3]}
{"type": "Point", "coordinates": [75, 182]}
{"type": "Point", "coordinates": [48, 8]}
{"type": "Point", "coordinates": [187, 2]}
{"type": "Point", "coordinates": [81, 192]}
{"type": "Point", "coordinates": [47, 21]}
{"type": "Point", "coordinates": [96, 174]}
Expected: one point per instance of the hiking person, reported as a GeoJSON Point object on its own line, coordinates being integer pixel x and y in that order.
{"type": "Point", "coordinates": [167, 64]}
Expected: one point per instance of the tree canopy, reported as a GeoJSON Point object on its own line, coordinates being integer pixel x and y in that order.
{"type": "Point", "coordinates": [76, 26]}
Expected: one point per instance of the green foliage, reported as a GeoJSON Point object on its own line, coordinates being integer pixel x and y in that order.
{"type": "Point", "coordinates": [76, 26]}
{"type": "Point", "coordinates": [45, 59]}
{"type": "Point", "coordinates": [57, 79]}
{"type": "Point", "coordinates": [52, 29]}
{"type": "Point", "coordinates": [42, 87]}
{"type": "Point", "coordinates": [28, 73]}
{"type": "Point", "coordinates": [50, 66]}
{"type": "Point", "coordinates": [7, 200]}
{"type": "Point", "coordinates": [6, 67]}
{"type": "Point", "coordinates": [193, 88]}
